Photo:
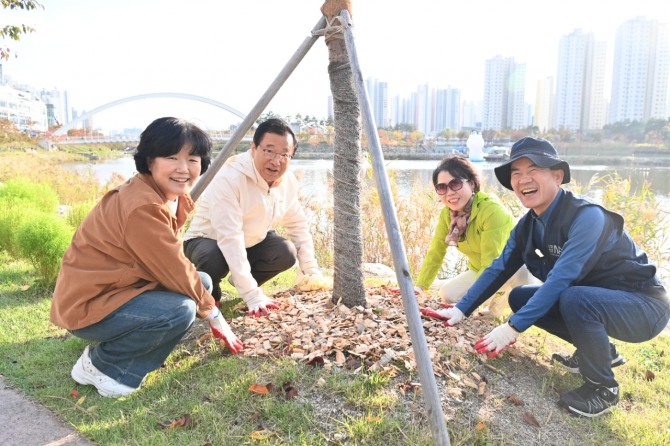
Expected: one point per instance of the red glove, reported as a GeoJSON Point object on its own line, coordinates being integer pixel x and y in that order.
{"type": "Point", "coordinates": [436, 314]}
{"type": "Point", "coordinates": [396, 291]}
{"type": "Point", "coordinates": [221, 330]}
{"type": "Point", "coordinates": [497, 340]}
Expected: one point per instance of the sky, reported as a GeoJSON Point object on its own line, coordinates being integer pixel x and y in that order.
{"type": "Point", "coordinates": [231, 51]}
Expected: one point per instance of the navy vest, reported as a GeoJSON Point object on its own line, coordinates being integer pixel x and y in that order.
{"type": "Point", "coordinates": [624, 267]}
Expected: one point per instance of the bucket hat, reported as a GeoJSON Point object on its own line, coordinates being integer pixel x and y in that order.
{"type": "Point", "coordinates": [540, 151]}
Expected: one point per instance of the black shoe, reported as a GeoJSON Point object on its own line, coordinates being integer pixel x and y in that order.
{"type": "Point", "coordinates": [590, 400]}
{"type": "Point", "coordinates": [571, 363]}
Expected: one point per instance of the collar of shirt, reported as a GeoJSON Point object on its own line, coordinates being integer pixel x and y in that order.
{"type": "Point", "coordinates": [540, 223]}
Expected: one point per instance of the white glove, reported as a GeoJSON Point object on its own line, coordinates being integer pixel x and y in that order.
{"type": "Point", "coordinates": [313, 280]}
{"type": "Point", "coordinates": [497, 340]}
{"type": "Point", "coordinates": [221, 330]}
{"type": "Point", "coordinates": [259, 303]}
{"type": "Point", "coordinates": [452, 315]}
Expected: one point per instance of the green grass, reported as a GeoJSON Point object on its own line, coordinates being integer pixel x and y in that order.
{"type": "Point", "coordinates": [332, 407]}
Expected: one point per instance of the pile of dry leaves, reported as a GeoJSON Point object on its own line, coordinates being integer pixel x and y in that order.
{"type": "Point", "coordinates": [311, 328]}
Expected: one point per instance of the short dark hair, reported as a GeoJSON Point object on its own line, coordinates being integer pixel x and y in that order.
{"type": "Point", "coordinates": [276, 126]}
{"type": "Point", "coordinates": [460, 168]}
{"type": "Point", "coordinates": [166, 136]}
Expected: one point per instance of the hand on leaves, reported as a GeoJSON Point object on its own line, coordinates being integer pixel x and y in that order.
{"type": "Point", "coordinates": [497, 340]}
{"type": "Point", "coordinates": [221, 330]}
{"type": "Point", "coordinates": [259, 304]}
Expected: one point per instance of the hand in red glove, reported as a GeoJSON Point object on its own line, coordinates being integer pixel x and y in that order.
{"type": "Point", "coordinates": [396, 291]}
{"type": "Point", "coordinates": [497, 340]}
{"type": "Point", "coordinates": [221, 330]}
{"type": "Point", "coordinates": [259, 304]}
{"type": "Point", "coordinates": [439, 314]}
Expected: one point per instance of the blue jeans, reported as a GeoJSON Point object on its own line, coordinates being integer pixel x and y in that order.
{"type": "Point", "coordinates": [586, 316]}
{"type": "Point", "coordinates": [136, 338]}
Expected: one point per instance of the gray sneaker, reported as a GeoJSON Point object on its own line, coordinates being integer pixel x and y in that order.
{"type": "Point", "coordinates": [571, 362]}
{"type": "Point", "coordinates": [85, 373]}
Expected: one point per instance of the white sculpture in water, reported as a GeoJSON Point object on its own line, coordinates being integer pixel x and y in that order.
{"type": "Point", "coordinates": [475, 144]}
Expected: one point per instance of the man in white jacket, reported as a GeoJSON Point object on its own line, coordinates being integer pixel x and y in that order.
{"type": "Point", "coordinates": [233, 227]}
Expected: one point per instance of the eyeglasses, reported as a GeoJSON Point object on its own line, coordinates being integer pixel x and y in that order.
{"type": "Point", "coordinates": [456, 184]}
{"type": "Point", "coordinates": [283, 157]}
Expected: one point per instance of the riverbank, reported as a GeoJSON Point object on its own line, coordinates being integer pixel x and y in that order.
{"type": "Point", "coordinates": [587, 160]}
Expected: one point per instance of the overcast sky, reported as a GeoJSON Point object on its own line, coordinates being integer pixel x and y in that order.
{"type": "Point", "coordinates": [231, 51]}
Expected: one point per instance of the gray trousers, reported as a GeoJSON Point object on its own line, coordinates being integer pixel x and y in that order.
{"type": "Point", "coordinates": [267, 259]}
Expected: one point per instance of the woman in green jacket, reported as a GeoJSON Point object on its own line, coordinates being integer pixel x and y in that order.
{"type": "Point", "coordinates": [476, 223]}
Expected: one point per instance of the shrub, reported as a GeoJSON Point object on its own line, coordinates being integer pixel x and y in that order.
{"type": "Point", "coordinates": [25, 193]}
{"type": "Point", "coordinates": [11, 218]}
{"type": "Point", "coordinates": [43, 240]}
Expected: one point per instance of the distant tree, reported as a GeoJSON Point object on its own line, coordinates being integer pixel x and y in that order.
{"type": "Point", "coordinates": [14, 32]}
{"type": "Point", "coordinates": [268, 115]}
{"type": "Point", "coordinates": [654, 130]}
{"type": "Point", "coordinates": [446, 133]}
{"type": "Point", "coordinates": [404, 127]}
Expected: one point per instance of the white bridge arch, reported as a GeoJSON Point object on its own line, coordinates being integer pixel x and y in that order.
{"type": "Point", "coordinates": [63, 130]}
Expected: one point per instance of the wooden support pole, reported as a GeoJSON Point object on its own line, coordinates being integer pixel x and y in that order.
{"type": "Point", "coordinates": [256, 111]}
{"type": "Point", "coordinates": [425, 367]}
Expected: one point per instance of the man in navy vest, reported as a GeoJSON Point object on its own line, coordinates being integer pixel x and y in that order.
{"type": "Point", "coordinates": [596, 282]}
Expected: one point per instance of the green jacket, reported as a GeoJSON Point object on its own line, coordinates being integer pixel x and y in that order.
{"type": "Point", "coordinates": [485, 238]}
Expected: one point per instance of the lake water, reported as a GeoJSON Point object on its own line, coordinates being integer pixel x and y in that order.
{"type": "Point", "coordinates": [314, 174]}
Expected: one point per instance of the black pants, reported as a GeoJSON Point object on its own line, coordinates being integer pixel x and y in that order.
{"type": "Point", "coordinates": [267, 259]}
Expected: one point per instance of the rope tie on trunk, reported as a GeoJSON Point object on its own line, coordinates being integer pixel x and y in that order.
{"type": "Point", "coordinates": [334, 29]}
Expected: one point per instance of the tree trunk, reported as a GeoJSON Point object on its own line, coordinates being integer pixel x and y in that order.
{"type": "Point", "coordinates": [348, 285]}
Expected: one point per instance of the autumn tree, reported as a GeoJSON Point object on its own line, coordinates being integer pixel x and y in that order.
{"type": "Point", "coordinates": [14, 32]}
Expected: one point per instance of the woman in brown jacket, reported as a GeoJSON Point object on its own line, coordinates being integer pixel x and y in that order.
{"type": "Point", "coordinates": [124, 283]}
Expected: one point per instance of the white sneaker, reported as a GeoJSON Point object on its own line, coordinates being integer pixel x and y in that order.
{"type": "Point", "coordinates": [84, 372]}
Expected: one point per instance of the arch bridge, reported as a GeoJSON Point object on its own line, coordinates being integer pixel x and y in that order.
{"type": "Point", "coordinates": [63, 130]}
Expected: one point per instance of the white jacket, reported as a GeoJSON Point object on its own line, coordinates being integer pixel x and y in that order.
{"type": "Point", "coordinates": [237, 210]}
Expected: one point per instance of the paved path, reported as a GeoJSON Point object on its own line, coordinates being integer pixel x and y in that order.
{"type": "Point", "coordinates": [24, 422]}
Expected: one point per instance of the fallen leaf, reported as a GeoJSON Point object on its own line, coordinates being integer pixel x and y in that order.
{"type": "Point", "coordinates": [317, 361]}
{"type": "Point", "coordinates": [203, 338]}
{"type": "Point", "coordinates": [259, 388]}
{"type": "Point", "coordinates": [184, 421]}
{"type": "Point", "coordinates": [290, 391]}
{"type": "Point", "coordinates": [530, 419]}
{"type": "Point", "coordinates": [649, 375]}
{"type": "Point", "coordinates": [80, 401]}
{"type": "Point", "coordinates": [261, 435]}
{"type": "Point", "coordinates": [408, 386]}
{"type": "Point", "coordinates": [352, 363]}
{"type": "Point", "coordinates": [515, 400]}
